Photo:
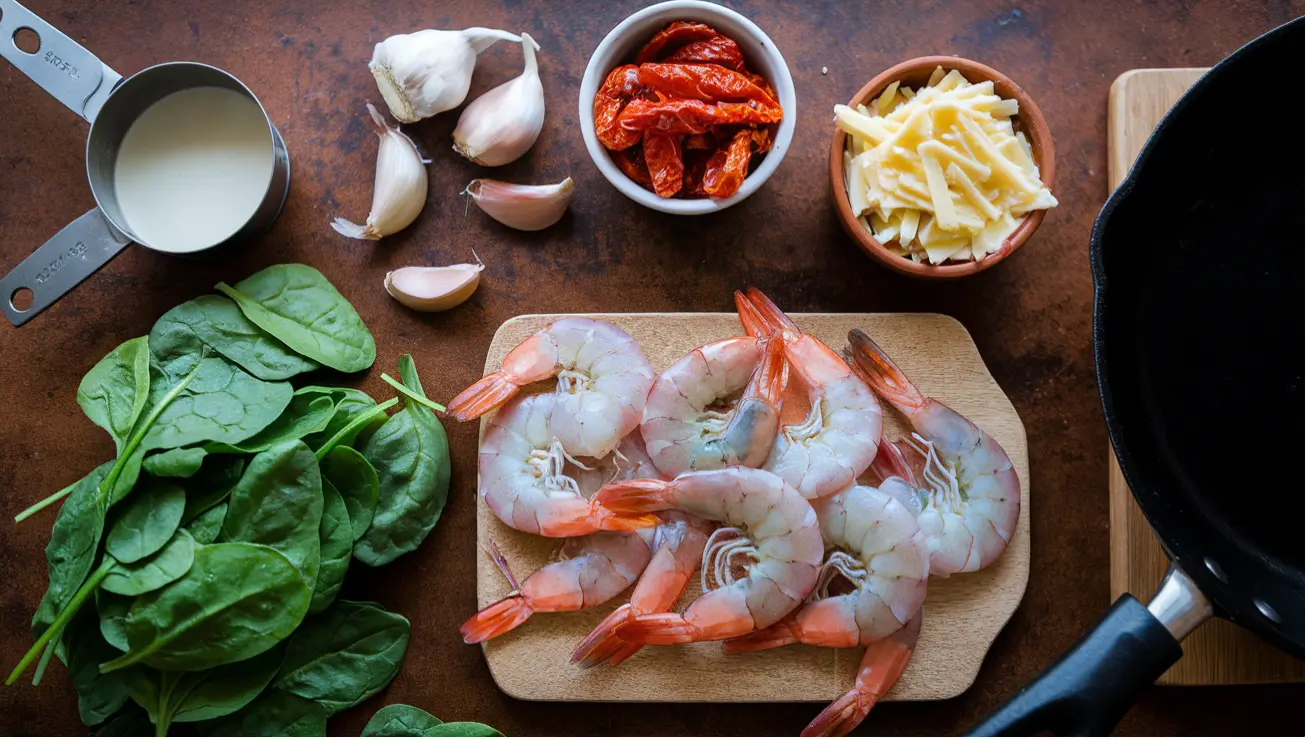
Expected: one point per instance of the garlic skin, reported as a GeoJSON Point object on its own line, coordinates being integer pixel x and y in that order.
{"type": "Point", "coordinates": [523, 207]}
{"type": "Point", "coordinates": [428, 72]}
{"type": "Point", "coordinates": [431, 289]}
{"type": "Point", "coordinates": [399, 192]}
{"type": "Point", "coordinates": [501, 125]}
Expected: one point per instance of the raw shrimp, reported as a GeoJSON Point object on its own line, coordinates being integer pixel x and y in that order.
{"type": "Point", "coordinates": [970, 492]}
{"type": "Point", "coordinates": [883, 663]}
{"type": "Point", "coordinates": [677, 547]}
{"type": "Point", "coordinates": [592, 569]}
{"type": "Point", "coordinates": [835, 443]}
{"type": "Point", "coordinates": [875, 545]}
{"type": "Point", "coordinates": [682, 426]}
{"type": "Point", "coordinates": [602, 382]}
{"type": "Point", "coordinates": [523, 480]}
{"type": "Point", "coordinates": [783, 545]}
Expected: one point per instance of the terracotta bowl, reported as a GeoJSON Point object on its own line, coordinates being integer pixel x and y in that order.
{"type": "Point", "coordinates": [915, 73]}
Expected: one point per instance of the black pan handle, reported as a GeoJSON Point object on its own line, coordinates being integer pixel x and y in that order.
{"type": "Point", "coordinates": [1093, 685]}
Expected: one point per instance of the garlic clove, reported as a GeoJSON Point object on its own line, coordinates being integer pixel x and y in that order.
{"type": "Point", "coordinates": [501, 125]}
{"type": "Point", "coordinates": [523, 207]}
{"type": "Point", "coordinates": [428, 72]}
{"type": "Point", "coordinates": [399, 191]}
{"type": "Point", "coordinates": [430, 289]}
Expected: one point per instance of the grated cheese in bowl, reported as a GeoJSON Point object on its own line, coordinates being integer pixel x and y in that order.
{"type": "Point", "coordinates": [940, 173]}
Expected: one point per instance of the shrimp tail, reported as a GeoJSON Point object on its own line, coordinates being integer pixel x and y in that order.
{"type": "Point", "coordinates": [632, 497]}
{"type": "Point", "coordinates": [497, 619]}
{"type": "Point", "coordinates": [603, 519]}
{"type": "Point", "coordinates": [771, 376]}
{"type": "Point", "coordinates": [881, 373]}
{"type": "Point", "coordinates": [773, 316]}
{"type": "Point", "coordinates": [484, 395]}
{"type": "Point", "coordinates": [603, 644]}
{"type": "Point", "coordinates": [882, 665]}
{"type": "Point", "coordinates": [775, 635]}
{"type": "Point", "coordinates": [657, 628]}
{"type": "Point", "coordinates": [889, 462]}
{"type": "Point", "coordinates": [754, 324]}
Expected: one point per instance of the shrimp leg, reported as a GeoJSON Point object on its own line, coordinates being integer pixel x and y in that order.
{"type": "Point", "coordinates": [882, 665]}
{"type": "Point", "coordinates": [662, 584]}
{"type": "Point", "coordinates": [603, 565]}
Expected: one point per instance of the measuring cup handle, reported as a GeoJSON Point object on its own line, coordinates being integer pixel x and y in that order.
{"type": "Point", "coordinates": [73, 75]}
{"type": "Point", "coordinates": [74, 254]}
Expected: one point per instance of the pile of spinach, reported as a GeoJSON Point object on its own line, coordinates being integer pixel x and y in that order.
{"type": "Point", "coordinates": [194, 578]}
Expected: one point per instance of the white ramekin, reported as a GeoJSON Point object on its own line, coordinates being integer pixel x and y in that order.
{"type": "Point", "coordinates": [621, 44]}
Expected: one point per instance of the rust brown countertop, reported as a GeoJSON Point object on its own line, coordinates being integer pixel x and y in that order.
{"type": "Point", "coordinates": [1031, 316]}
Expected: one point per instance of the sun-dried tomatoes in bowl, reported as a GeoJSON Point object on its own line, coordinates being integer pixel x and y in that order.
{"type": "Point", "coordinates": [687, 107]}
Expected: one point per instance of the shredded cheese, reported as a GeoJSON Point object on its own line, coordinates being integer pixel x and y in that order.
{"type": "Point", "coordinates": [940, 173]}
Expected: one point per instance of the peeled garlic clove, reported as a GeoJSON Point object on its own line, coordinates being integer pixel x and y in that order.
{"type": "Point", "coordinates": [523, 207]}
{"type": "Point", "coordinates": [431, 289]}
{"type": "Point", "coordinates": [501, 125]}
{"type": "Point", "coordinates": [428, 72]}
{"type": "Point", "coordinates": [399, 192]}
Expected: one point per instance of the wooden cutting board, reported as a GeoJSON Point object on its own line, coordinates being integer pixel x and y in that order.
{"type": "Point", "coordinates": [1219, 652]}
{"type": "Point", "coordinates": [962, 614]}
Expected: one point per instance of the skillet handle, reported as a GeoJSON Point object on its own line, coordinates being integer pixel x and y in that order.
{"type": "Point", "coordinates": [1093, 685]}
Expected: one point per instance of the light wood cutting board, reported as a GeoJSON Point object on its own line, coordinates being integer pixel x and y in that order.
{"type": "Point", "coordinates": [962, 614]}
{"type": "Point", "coordinates": [1220, 652]}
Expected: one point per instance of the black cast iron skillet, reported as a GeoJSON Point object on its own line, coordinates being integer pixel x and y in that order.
{"type": "Point", "coordinates": [1199, 328]}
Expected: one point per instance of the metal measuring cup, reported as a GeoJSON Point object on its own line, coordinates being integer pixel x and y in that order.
{"type": "Point", "coordinates": [79, 80]}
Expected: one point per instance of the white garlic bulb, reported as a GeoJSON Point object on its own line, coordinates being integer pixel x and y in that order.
{"type": "Point", "coordinates": [399, 191]}
{"type": "Point", "coordinates": [501, 125]}
{"type": "Point", "coordinates": [428, 72]}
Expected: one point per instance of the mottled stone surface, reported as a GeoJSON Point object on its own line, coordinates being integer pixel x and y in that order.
{"type": "Point", "coordinates": [1031, 316]}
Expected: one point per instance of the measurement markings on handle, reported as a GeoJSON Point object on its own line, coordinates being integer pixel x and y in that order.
{"type": "Point", "coordinates": [75, 251]}
{"type": "Point", "coordinates": [61, 64]}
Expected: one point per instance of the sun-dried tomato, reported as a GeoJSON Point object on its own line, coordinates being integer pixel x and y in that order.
{"type": "Point", "coordinates": [699, 142]}
{"type": "Point", "coordinates": [718, 49]}
{"type": "Point", "coordinates": [761, 82]}
{"type": "Point", "coordinates": [706, 82]}
{"type": "Point", "coordinates": [632, 165]}
{"type": "Point", "coordinates": [728, 166]}
{"type": "Point", "coordinates": [673, 37]}
{"type": "Point", "coordinates": [617, 90]}
{"type": "Point", "coordinates": [665, 163]}
{"type": "Point", "coordinates": [683, 117]}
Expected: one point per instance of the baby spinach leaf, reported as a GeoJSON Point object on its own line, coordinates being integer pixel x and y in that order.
{"type": "Point", "coordinates": [98, 696]}
{"type": "Point", "coordinates": [336, 536]}
{"type": "Point", "coordinates": [344, 655]}
{"type": "Point", "coordinates": [222, 403]}
{"type": "Point", "coordinates": [148, 689]}
{"type": "Point", "coordinates": [181, 333]}
{"type": "Point", "coordinates": [112, 610]}
{"type": "Point", "coordinates": [273, 713]}
{"type": "Point", "coordinates": [167, 565]}
{"type": "Point", "coordinates": [175, 462]}
{"type": "Point", "coordinates": [130, 721]}
{"type": "Point", "coordinates": [115, 391]}
{"type": "Point", "coordinates": [278, 503]}
{"type": "Point", "coordinates": [211, 485]}
{"type": "Point", "coordinates": [207, 526]}
{"type": "Point", "coordinates": [297, 305]}
{"type": "Point", "coordinates": [236, 601]}
{"type": "Point", "coordinates": [411, 456]}
{"type": "Point", "coordinates": [356, 427]}
{"type": "Point", "coordinates": [349, 403]}
{"type": "Point", "coordinates": [404, 720]}
{"type": "Point", "coordinates": [208, 694]}
{"type": "Point", "coordinates": [306, 414]}
{"type": "Point", "coordinates": [74, 540]}
{"type": "Point", "coordinates": [355, 478]}
{"type": "Point", "coordinates": [400, 720]}
{"type": "Point", "coordinates": [128, 475]}
{"type": "Point", "coordinates": [147, 524]}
